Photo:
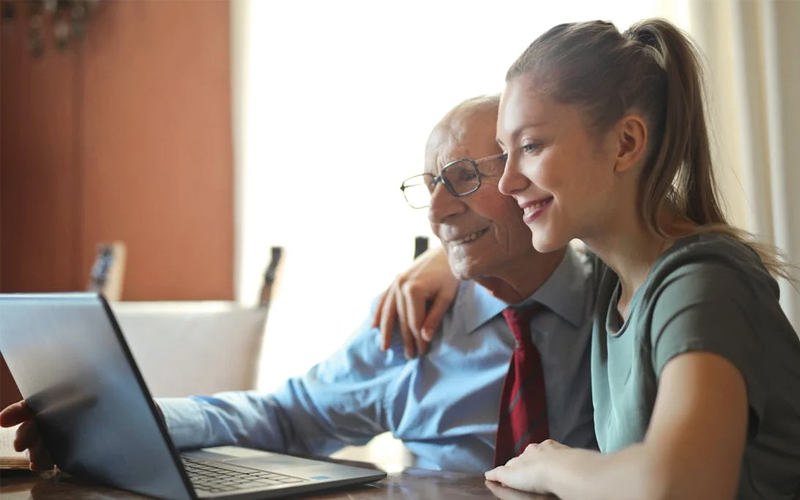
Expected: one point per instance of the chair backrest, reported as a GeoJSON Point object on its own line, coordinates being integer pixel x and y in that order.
{"type": "Point", "coordinates": [186, 348]}
{"type": "Point", "coordinates": [108, 271]}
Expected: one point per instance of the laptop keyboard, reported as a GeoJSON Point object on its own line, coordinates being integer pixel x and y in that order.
{"type": "Point", "coordinates": [216, 477]}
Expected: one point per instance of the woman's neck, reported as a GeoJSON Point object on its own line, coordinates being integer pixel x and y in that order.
{"type": "Point", "coordinates": [630, 249]}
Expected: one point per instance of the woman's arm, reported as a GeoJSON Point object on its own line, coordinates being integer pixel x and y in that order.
{"type": "Point", "coordinates": [693, 448]}
{"type": "Point", "coordinates": [417, 301]}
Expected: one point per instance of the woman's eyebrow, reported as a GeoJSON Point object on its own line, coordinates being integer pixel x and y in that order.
{"type": "Point", "coordinates": [522, 128]}
{"type": "Point", "coordinates": [530, 125]}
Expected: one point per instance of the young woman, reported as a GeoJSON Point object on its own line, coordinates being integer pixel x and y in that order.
{"type": "Point", "coordinates": [695, 368]}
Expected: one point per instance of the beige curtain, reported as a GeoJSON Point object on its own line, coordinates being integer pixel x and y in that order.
{"type": "Point", "coordinates": [752, 49]}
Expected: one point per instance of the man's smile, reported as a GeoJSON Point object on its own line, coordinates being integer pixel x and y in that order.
{"type": "Point", "coordinates": [469, 238]}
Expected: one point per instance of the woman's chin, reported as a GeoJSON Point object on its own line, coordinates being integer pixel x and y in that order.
{"type": "Point", "coordinates": [545, 243]}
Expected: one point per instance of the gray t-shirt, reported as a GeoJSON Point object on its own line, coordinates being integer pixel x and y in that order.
{"type": "Point", "coordinates": [705, 293]}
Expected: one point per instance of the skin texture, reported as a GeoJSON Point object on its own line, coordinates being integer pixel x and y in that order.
{"type": "Point", "coordinates": [590, 180]}
{"type": "Point", "coordinates": [553, 157]}
{"type": "Point", "coordinates": [501, 259]}
{"type": "Point", "coordinates": [504, 243]}
{"type": "Point", "coordinates": [27, 436]}
{"type": "Point", "coordinates": [417, 301]}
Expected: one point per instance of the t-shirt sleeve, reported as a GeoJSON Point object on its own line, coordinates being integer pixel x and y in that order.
{"type": "Point", "coordinates": [712, 308]}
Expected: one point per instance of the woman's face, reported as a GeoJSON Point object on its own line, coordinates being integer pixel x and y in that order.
{"type": "Point", "coordinates": [560, 174]}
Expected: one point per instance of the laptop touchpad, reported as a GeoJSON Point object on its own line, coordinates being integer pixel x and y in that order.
{"type": "Point", "coordinates": [252, 458]}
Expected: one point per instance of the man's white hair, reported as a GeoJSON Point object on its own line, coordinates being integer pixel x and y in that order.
{"type": "Point", "coordinates": [453, 124]}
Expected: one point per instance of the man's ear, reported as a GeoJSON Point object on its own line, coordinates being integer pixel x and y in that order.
{"type": "Point", "coordinates": [631, 142]}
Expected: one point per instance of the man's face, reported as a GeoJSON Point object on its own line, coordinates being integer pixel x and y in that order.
{"type": "Point", "coordinates": [483, 232]}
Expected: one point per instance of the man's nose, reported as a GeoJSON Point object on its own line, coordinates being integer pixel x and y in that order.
{"type": "Point", "coordinates": [443, 204]}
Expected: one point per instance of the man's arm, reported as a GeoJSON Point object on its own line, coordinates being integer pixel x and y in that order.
{"type": "Point", "coordinates": [339, 402]}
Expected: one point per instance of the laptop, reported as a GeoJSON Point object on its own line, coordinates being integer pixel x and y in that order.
{"type": "Point", "coordinates": [94, 411]}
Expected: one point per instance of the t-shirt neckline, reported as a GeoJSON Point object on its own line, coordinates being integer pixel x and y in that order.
{"type": "Point", "coordinates": [615, 325]}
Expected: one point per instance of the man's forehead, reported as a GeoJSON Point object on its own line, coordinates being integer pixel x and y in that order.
{"type": "Point", "coordinates": [448, 144]}
{"type": "Point", "coordinates": [446, 152]}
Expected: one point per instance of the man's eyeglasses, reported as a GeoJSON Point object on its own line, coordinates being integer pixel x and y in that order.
{"type": "Point", "coordinates": [460, 178]}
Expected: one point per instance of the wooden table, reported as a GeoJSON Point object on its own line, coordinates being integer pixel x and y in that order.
{"type": "Point", "coordinates": [411, 484]}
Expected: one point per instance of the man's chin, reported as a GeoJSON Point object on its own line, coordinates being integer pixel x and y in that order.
{"type": "Point", "coordinates": [462, 270]}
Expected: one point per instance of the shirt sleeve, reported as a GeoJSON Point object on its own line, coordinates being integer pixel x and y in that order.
{"type": "Point", "coordinates": [712, 308]}
{"type": "Point", "coordinates": [345, 400]}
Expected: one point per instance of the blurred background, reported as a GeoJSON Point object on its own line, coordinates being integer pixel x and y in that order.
{"type": "Point", "coordinates": [201, 133]}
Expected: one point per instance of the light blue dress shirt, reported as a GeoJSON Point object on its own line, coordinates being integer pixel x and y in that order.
{"type": "Point", "coordinates": [444, 405]}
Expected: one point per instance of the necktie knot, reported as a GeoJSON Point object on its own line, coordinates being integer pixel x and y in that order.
{"type": "Point", "coordinates": [519, 320]}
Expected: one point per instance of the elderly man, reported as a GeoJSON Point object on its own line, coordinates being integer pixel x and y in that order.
{"type": "Point", "coordinates": [444, 405]}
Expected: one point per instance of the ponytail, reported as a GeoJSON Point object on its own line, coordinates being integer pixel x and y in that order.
{"type": "Point", "coordinates": [653, 69]}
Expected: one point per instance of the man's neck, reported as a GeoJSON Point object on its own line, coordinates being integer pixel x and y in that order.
{"type": "Point", "coordinates": [517, 281]}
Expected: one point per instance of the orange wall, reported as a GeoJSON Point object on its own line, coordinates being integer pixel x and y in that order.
{"type": "Point", "coordinates": [124, 136]}
{"type": "Point", "coordinates": [39, 198]}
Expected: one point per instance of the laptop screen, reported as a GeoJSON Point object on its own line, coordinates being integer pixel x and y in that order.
{"type": "Point", "coordinates": [74, 369]}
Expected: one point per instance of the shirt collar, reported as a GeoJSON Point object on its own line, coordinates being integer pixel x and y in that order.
{"type": "Point", "coordinates": [564, 293]}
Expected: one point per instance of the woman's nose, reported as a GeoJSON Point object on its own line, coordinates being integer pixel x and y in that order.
{"type": "Point", "coordinates": [512, 179]}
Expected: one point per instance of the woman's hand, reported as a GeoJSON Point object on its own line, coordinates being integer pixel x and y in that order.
{"type": "Point", "coordinates": [528, 472]}
{"type": "Point", "coordinates": [505, 493]}
{"type": "Point", "coordinates": [417, 301]}
{"type": "Point", "coordinates": [28, 438]}
{"type": "Point", "coordinates": [693, 448]}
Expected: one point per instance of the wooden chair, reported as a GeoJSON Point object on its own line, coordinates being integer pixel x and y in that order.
{"type": "Point", "coordinates": [186, 348]}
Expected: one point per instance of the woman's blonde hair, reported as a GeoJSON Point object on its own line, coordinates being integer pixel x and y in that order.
{"type": "Point", "coordinates": [651, 69]}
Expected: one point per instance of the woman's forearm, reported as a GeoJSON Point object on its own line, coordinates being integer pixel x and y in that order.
{"type": "Point", "coordinates": [632, 473]}
{"type": "Point", "coordinates": [635, 473]}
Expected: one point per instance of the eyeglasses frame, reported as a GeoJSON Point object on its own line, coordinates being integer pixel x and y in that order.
{"type": "Point", "coordinates": [440, 178]}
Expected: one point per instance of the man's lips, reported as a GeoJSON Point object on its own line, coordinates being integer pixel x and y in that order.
{"type": "Point", "coordinates": [468, 238]}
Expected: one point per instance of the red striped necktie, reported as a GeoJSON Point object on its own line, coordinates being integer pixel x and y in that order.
{"type": "Point", "coordinates": [523, 404]}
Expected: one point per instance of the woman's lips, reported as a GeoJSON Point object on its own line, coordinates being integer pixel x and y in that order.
{"type": "Point", "coordinates": [533, 209]}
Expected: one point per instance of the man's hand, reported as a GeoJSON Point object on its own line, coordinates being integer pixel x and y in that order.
{"type": "Point", "coordinates": [417, 300]}
{"type": "Point", "coordinates": [28, 438]}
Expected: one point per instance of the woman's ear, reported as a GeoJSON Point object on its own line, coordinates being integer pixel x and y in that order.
{"type": "Point", "coordinates": [631, 142]}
